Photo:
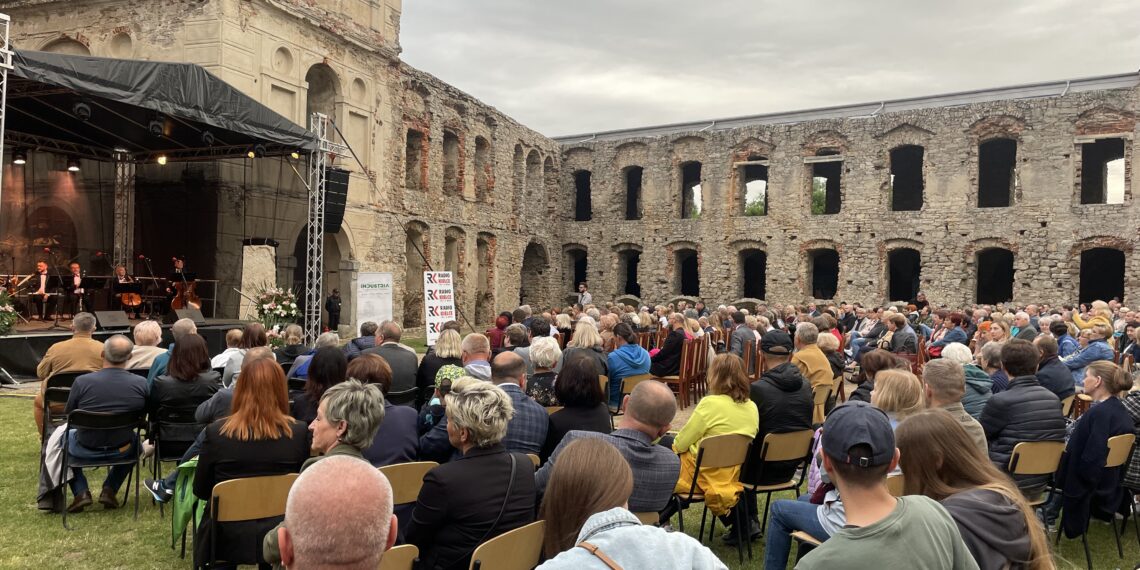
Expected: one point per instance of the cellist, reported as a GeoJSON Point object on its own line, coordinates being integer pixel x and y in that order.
{"type": "Point", "coordinates": [128, 302]}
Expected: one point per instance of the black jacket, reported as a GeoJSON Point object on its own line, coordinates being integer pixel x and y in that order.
{"type": "Point", "coordinates": [596, 418]}
{"type": "Point", "coordinates": [1086, 483]}
{"type": "Point", "coordinates": [1024, 412]}
{"type": "Point", "coordinates": [783, 397]}
{"type": "Point", "coordinates": [169, 392]}
{"type": "Point", "coordinates": [1056, 377]}
{"type": "Point", "coordinates": [453, 516]}
{"type": "Point", "coordinates": [667, 362]}
{"type": "Point", "coordinates": [404, 365]}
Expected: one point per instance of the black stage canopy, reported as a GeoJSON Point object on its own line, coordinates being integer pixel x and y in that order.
{"type": "Point", "coordinates": [94, 107]}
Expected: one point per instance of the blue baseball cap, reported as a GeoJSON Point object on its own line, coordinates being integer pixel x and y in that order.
{"type": "Point", "coordinates": [858, 423]}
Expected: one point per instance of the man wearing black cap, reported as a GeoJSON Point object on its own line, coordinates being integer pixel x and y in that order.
{"type": "Point", "coordinates": [881, 531]}
{"type": "Point", "coordinates": [783, 397]}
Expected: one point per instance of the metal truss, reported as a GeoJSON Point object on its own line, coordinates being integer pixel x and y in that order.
{"type": "Point", "coordinates": [315, 242]}
{"type": "Point", "coordinates": [5, 67]}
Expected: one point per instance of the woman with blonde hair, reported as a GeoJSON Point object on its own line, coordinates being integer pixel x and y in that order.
{"type": "Point", "coordinates": [447, 350]}
{"type": "Point", "coordinates": [1099, 313]}
{"type": "Point", "coordinates": [939, 460]}
{"type": "Point", "coordinates": [899, 393]}
{"type": "Point", "coordinates": [1097, 349]}
{"type": "Point", "coordinates": [294, 338]}
{"type": "Point", "coordinates": [587, 341]}
{"type": "Point", "coordinates": [726, 409]}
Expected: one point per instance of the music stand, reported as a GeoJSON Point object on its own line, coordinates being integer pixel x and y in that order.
{"type": "Point", "coordinates": [118, 289]}
{"type": "Point", "coordinates": [88, 284]}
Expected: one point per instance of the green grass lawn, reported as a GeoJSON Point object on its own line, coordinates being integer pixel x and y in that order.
{"type": "Point", "coordinates": [30, 538]}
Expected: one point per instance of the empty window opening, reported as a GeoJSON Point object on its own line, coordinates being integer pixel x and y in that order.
{"type": "Point", "coordinates": [825, 184]}
{"type": "Point", "coordinates": [533, 267]}
{"type": "Point", "coordinates": [753, 273]}
{"type": "Point", "coordinates": [413, 279]}
{"type": "Point", "coordinates": [691, 198]}
{"type": "Point", "coordinates": [484, 170]}
{"type": "Point", "coordinates": [823, 265]}
{"type": "Point", "coordinates": [754, 188]}
{"type": "Point", "coordinates": [903, 269]}
{"type": "Point", "coordinates": [628, 262]}
{"type": "Point", "coordinates": [1102, 275]}
{"type": "Point", "coordinates": [633, 193]}
{"type": "Point", "coordinates": [906, 178]}
{"type": "Point", "coordinates": [582, 208]}
{"type": "Point", "coordinates": [995, 276]}
{"type": "Point", "coordinates": [576, 262]}
{"type": "Point", "coordinates": [484, 285]}
{"type": "Point", "coordinates": [997, 159]}
{"type": "Point", "coordinates": [450, 163]}
{"type": "Point", "coordinates": [1102, 172]}
{"type": "Point", "coordinates": [451, 255]}
{"type": "Point", "coordinates": [413, 160]}
{"type": "Point", "coordinates": [687, 280]}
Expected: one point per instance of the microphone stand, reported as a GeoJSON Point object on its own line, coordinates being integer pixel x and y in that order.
{"type": "Point", "coordinates": [153, 282]}
{"type": "Point", "coordinates": [55, 326]}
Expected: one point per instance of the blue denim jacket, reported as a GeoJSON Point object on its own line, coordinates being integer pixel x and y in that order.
{"type": "Point", "coordinates": [618, 534]}
{"type": "Point", "coordinates": [1077, 362]}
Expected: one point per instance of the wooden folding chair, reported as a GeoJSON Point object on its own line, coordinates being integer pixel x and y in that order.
{"type": "Point", "coordinates": [1036, 458]}
{"type": "Point", "coordinates": [245, 499]}
{"type": "Point", "coordinates": [627, 385]}
{"type": "Point", "coordinates": [406, 479]}
{"type": "Point", "coordinates": [683, 379]}
{"type": "Point", "coordinates": [649, 518]}
{"type": "Point", "coordinates": [1081, 405]}
{"type": "Point", "coordinates": [519, 549]}
{"type": "Point", "coordinates": [402, 557]}
{"type": "Point", "coordinates": [1119, 449]}
{"type": "Point", "coordinates": [551, 409]}
{"type": "Point", "coordinates": [795, 445]}
{"type": "Point", "coordinates": [718, 451]}
{"type": "Point", "coordinates": [896, 485]}
{"type": "Point", "coordinates": [534, 459]}
{"type": "Point", "coordinates": [1067, 405]}
{"type": "Point", "coordinates": [751, 360]}
{"type": "Point", "coordinates": [604, 381]}
{"type": "Point", "coordinates": [819, 396]}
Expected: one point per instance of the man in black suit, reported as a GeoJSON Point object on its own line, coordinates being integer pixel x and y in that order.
{"type": "Point", "coordinates": [404, 363]}
{"type": "Point", "coordinates": [111, 389]}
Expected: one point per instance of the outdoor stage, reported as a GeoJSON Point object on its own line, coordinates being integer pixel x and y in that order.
{"type": "Point", "coordinates": [22, 349]}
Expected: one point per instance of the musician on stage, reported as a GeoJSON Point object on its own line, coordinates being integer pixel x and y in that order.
{"type": "Point", "coordinates": [123, 300]}
{"type": "Point", "coordinates": [41, 296]}
{"type": "Point", "coordinates": [176, 276]}
{"type": "Point", "coordinates": [78, 300]}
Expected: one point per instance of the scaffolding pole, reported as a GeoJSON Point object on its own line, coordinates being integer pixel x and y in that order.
{"type": "Point", "coordinates": [5, 67]}
{"type": "Point", "coordinates": [315, 240]}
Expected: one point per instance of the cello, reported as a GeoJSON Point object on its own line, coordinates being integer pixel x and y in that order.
{"type": "Point", "coordinates": [184, 294]}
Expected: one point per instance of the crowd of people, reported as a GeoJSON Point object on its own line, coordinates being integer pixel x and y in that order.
{"type": "Point", "coordinates": [940, 397]}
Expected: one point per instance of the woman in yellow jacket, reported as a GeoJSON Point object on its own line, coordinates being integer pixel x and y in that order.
{"type": "Point", "coordinates": [727, 409]}
{"type": "Point", "coordinates": [1100, 312]}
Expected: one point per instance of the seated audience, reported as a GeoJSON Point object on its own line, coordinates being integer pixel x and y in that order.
{"type": "Point", "coordinates": [434, 443]}
{"type": "Point", "coordinates": [300, 367]}
{"type": "Point", "coordinates": [475, 352]}
{"type": "Point", "coordinates": [899, 393]}
{"type": "Point", "coordinates": [404, 362]}
{"type": "Point", "coordinates": [339, 515]}
{"type": "Point", "coordinates": [146, 335]}
{"type": "Point", "coordinates": [365, 341]}
{"type": "Point", "coordinates": [587, 505]}
{"type": "Point", "coordinates": [114, 390]}
{"type": "Point", "coordinates": [872, 363]}
{"type": "Point", "coordinates": [257, 439]}
{"type": "Point", "coordinates": [726, 409]}
{"type": "Point", "coordinates": [327, 368]}
{"type": "Point", "coordinates": [77, 354]}
{"type": "Point", "coordinates": [294, 338]}
{"type": "Point", "coordinates": [903, 339]}
{"type": "Point", "coordinates": [486, 492]}
{"type": "Point", "coordinates": [858, 451]}
{"type": "Point", "coordinates": [784, 401]}
{"type": "Point", "coordinates": [1097, 349]}
{"type": "Point", "coordinates": [667, 361]}
{"type": "Point", "coordinates": [1088, 488]}
{"type": "Point", "coordinates": [233, 344]}
{"type": "Point", "coordinates": [998, 526]}
{"type": "Point", "coordinates": [252, 336]}
{"type": "Point", "coordinates": [530, 422]}
{"type": "Point", "coordinates": [952, 332]}
{"type": "Point", "coordinates": [649, 413]}
{"type": "Point", "coordinates": [809, 358]}
{"type": "Point", "coordinates": [979, 386]}
{"type": "Point", "coordinates": [990, 361]}
{"type": "Point", "coordinates": [579, 392]}
{"type": "Point", "coordinates": [187, 383]}
{"type": "Point", "coordinates": [585, 342]}
{"type": "Point", "coordinates": [180, 328]}
{"type": "Point", "coordinates": [829, 345]}
{"type": "Point", "coordinates": [627, 359]}
{"type": "Point", "coordinates": [945, 383]}
{"type": "Point", "coordinates": [1098, 314]}
{"type": "Point", "coordinates": [544, 354]}
{"type": "Point", "coordinates": [518, 341]}
{"type": "Point", "coordinates": [398, 439]}
{"type": "Point", "coordinates": [447, 350]}
{"type": "Point", "coordinates": [1051, 372]}
{"type": "Point", "coordinates": [1066, 344]}
{"type": "Point", "coordinates": [1025, 412]}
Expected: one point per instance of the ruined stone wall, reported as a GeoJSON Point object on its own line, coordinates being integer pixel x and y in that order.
{"type": "Point", "coordinates": [1046, 226]}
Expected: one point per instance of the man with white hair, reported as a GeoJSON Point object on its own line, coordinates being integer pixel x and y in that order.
{"type": "Point", "coordinates": [1022, 328]}
{"type": "Point", "coordinates": [809, 358]}
{"type": "Point", "coordinates": [338, 515]}
{"type": "Point", "coordinates": [80, 353]}
{"type": "Point", "coordinates": [147, 335]}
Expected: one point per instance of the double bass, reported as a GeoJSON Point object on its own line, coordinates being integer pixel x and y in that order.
{"type": "Point", "coordinates": [184, 294]}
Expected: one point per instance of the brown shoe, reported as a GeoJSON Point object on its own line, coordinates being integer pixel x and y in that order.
{"type": "Point", "coordinates": [80, 502]}
{"type": "Point", "coordinates": [108, 499]}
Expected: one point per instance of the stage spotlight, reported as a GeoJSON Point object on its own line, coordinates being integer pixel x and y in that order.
{"type": "Point", "coordinates": [162, 159]}
{"type": "Point", "coordinates": [295, 155]}
{"type": "Point", "coordinates": [81, 110]}
{"type": "Point", "coordinates": [73, 165]}
{"type": "Point", "coordinates": [156, 127]}
{"type": "Point", "coordinates": [20, 157]}
{"type": "Point", "coordinates": [207, 138]}
{"type": "Point", "coordinates": [257, 151]}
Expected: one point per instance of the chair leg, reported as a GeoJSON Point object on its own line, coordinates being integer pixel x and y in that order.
{"type": "Point", "coordinates": [1085, 542]}
{"type": "Point", "coordinates": [1135, 519]}
{"type": "Point", "coordinates": [1060, 526]}
{"type": "Point", "coordinates": [704, 513]}
{"type": "Point", "coordinates": [712, 528]}
{"type": "Point", "coordinates": [680, 514]}
{"type": "Point", "coordinates": [764, 521]}
{"type": "Point", "coordinates": [742, 535]}
{"type": "Point", "coordinates": [1116, 534]}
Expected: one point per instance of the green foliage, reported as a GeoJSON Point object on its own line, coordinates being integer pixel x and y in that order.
{"type": "Point", "coordinates": [757, 207]}
{"type": "Point", "coordinates": [818, 196]}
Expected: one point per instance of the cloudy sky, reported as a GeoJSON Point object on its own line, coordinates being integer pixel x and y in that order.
{"type": "Point", "coordinates": [581, 66]}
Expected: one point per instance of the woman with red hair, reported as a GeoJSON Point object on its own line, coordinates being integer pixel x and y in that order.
{"type": "Point", "coordinates": [499, 331]}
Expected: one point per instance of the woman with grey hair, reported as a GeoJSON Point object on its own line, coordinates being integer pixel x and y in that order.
{"type": "Point", "coordinates": [979, 386]}
{"type": "Point", "coordinates": [487, 492]}
{"type": "Point", "coordinates": [146, 335]}
{"type": "Point", "coordinates": [544, 353]}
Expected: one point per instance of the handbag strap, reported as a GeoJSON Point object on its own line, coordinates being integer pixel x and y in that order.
{"type": "Point", "coordinates": [592, 549]}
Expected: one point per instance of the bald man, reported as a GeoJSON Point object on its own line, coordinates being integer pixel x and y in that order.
{"type": "Point", "coordinates": [338, 515]}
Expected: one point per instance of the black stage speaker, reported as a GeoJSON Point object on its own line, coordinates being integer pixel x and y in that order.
{"type": "Point", "coordinates": [193, 314]}
{"type": "Point", "coordinates": [112, 320]}
{"type": "Point", "coordinates": [336, 196]}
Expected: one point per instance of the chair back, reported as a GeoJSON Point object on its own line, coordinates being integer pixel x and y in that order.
{"type": "Point", "coordinates": [551, 409]}
{"type": "Point", "coordinates": [1067, 405]}
{"type": "Point", "coordinates": [648, 518]}
{"type": "Point", "coordinates": [64, 379]}
{"type": "Point", "coordinates": [645, 340]}
{"type": "Point", "coordinates": [519, 549]}
{"type": "Point", "coordinates": [896, 484]}
{"type": "Point", "coordinates": [604, 381]}
{"type": "Point", "coordinates": [296, 384]}
{"type": "Point", "coordinates": [786, 446]}
{"type": "Point", "coordinates": [819, 396]}
{"type": "Point", "coordinates": [751, 363]}
{"type": "Point", "coordinates": [251, 498]}
{"type": "Point", "coordinates": [400, 557]}
{"type": "Point", "coordinates": [144, 372]}
{"type": "Point", "coordinates": [1036, 457]}
{"type": "Point", "coordinates": [1119, 449]}
{"type": "Point", "coordinates": [104, 421]}
{"type": "Point", "coordinates": [728, 450]}
{"type": "Point", "coordinates": [403, 397]}
{"type": "Point", "coordinates": [662, 333]}
{"type": "Point", "coordinates": [630, 382]}
{"type": "Point", "coordinates": [534, 459]}
{"type": "Point", "coordinates": [406, 480]}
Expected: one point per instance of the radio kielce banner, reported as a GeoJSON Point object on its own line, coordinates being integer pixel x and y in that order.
{"type": "Point", "coordinates": [439, 302]}
{"type": "Point", "coordinates": [373, 297]}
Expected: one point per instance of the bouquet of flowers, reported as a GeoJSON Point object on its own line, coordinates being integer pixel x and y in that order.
{"type": "Point", "coordinates": [8, 314]}
{"type": "Point", "coordinates": [276, 307]}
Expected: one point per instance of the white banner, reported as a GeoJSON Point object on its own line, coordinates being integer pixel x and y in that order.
{"type": "Point", "coordinates": [439, 302]}
{"type": "Point", "coordinates": [373, 297]}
